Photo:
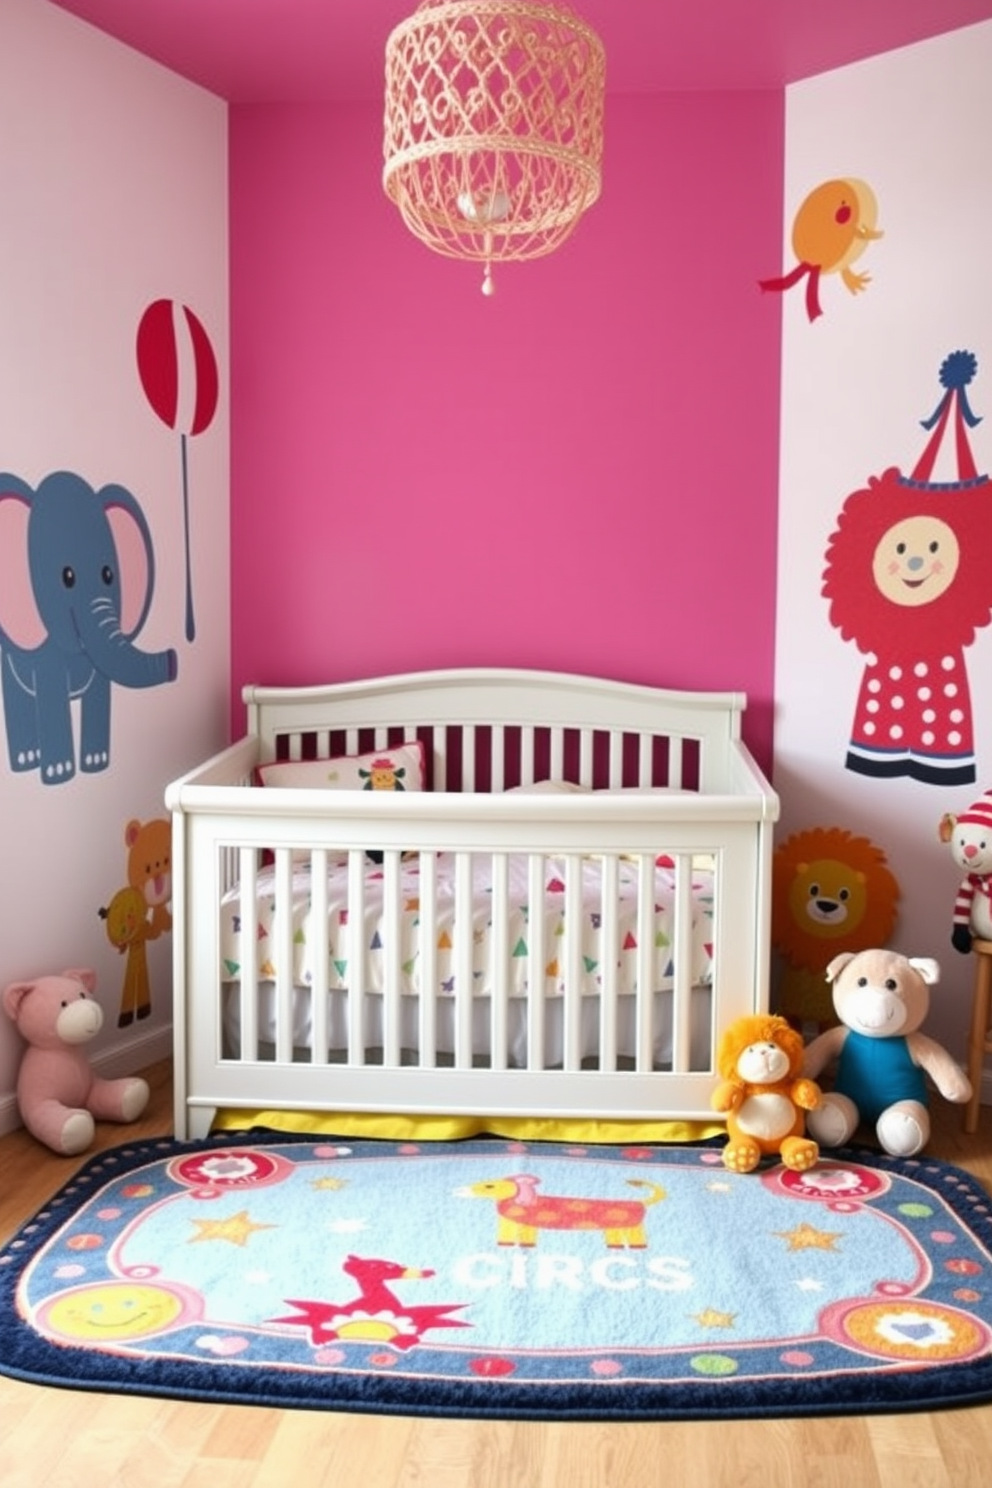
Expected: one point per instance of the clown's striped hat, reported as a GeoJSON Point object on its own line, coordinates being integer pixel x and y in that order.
{"type": "Point", "coordinates": [979, 813]}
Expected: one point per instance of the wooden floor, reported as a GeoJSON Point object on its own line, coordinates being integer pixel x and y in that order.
{"type": "Point", "coordinates": [75, 1439]}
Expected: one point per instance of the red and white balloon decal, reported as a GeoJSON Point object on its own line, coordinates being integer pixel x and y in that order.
{"type": "Point", "coordinates": [178, 372]}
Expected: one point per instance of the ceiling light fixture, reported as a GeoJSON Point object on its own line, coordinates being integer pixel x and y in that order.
{"type": "Point", "coordinates": [494, 126]}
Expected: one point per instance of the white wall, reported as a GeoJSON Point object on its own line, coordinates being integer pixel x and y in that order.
{"type": "Point", "coordinates": [113, 194]}
{"type": "Point", "coordinates": [856, 383]}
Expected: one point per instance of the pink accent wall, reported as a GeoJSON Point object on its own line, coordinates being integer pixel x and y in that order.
{"type": "Point", "coordinates": [579, 474]}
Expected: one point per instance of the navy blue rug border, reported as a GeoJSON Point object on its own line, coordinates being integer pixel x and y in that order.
{"type": "Point", "coordinates": [33, 1360]}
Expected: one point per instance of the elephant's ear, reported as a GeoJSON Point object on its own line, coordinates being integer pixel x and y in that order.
{"type": "Point", "coordinates": [19, 617]}
{"type": "Point", "coordinates": [135, 558]}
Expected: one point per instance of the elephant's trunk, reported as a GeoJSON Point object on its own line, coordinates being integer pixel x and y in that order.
{"type": "Point", "coordinates": [117, 657]}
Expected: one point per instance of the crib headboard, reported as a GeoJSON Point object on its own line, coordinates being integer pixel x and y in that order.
{"type": "Point", "coordinates": [485, 730]}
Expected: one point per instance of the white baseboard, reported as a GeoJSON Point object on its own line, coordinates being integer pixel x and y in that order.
{"type": "Point", "coordinates": [142, 1050]}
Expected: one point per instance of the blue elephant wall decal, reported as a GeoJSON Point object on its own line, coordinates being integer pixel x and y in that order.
{"type": "Point", "coordinates": [77, 574]}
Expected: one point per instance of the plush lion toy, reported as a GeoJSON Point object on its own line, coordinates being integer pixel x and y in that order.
{"type": "Point", "coordinates": [764, 1094]}
{"type": "Point", "coordinates": [831, 890]}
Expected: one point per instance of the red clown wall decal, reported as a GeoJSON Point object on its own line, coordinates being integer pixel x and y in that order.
{"type": "Point", "coordinates": [909, 580]}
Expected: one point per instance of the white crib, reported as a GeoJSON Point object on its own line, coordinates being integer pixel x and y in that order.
{"type": "Point", "coordinates": [406, 984]}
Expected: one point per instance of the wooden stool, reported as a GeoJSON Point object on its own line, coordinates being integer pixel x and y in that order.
{"type": "Point", "coordinates": [980, 1040]}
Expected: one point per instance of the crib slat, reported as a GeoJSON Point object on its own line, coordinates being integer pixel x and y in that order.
{"type": "Point", "coordinates": [536, 961]}
{"type": "Point", "coordinates": [462, 960]}
{"type": "Point", "coordinates": [319, 956]}
{"type": "Point", "coordinates": [609, 961]}
{"type": "Point", "coordinates": [356, 956]}
{"type": "Point", "coordinates": [439, 749]}
{"type": "Point", "coordinates": [585, 756]}
{"type": "Point", "coordinates": [675, 754]}
{"type": "Point", "coordinates": [527, 754]}
{"type": "Point", "coordinates": [571, 955]}
{"type": "Point", "coordinates": [427, 960]}
{"type": "Point", "coordinates": [282, 937]}
{"type": "Point", "coordinates": [682, 968]}
{"type": "Point", "coordinates": [501, 958]}
{"type": "Point", "coordinates": [468, 757]}
{"type": "Point", "coordinates": [248, 953]}
{"type": "Point", "coordinates": [556, 761]}
{"type": "Point", "coordinates": [497, 759]}
{"type": "Point", "coordinates": [391, 952]}
{"type": "Point", "coordinates": [616, 759]}
{"type": "Point", "coordinates": [645, 761]}
{"type": "Point", "coordinates": [645, 960]}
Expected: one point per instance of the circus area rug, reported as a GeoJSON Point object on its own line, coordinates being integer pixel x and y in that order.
{"type": "Point", "coordinates": [490, 1277]}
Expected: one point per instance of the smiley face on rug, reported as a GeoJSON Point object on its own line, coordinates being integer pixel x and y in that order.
{"type": "Point", "coordinates": [765, 1095]}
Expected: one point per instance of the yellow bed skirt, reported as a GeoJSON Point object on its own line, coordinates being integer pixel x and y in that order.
{"type": "Point", "coordinates": [396, 1128]}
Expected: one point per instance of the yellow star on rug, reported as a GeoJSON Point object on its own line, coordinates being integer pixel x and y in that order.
{"type": "Point", "coordinates": [710, 1318]}
{"type": "Point", "coordinates": [331, 1183]}
{"type": "Point", "coordinates": [805, 1237]}
{"type": "Point", "coordinates": [237, 1229]}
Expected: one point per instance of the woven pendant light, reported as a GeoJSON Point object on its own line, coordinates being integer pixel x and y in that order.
{"type": "Point", "coordinates": [493, 127]}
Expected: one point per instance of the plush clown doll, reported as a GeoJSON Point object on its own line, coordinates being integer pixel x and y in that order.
{"type": "Point", "coordinates": [970, 838]}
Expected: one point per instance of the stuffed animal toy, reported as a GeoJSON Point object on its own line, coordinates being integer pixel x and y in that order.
{"type": "Point", "coordinates": [58, 1095]}
{"type": "Point", "coordinates": [764, 1093]}
{"type": "Point", "coordinates": [970, 839]}
{"type": "Point", "coordinates": [882, 998]}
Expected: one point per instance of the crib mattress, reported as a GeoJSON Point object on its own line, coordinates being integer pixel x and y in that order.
{"type": "Point", "coordinates": [306, 935]}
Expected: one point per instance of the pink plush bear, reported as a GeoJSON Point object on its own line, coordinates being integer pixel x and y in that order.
{"type": "Point", "coordinates": [57, 1093]}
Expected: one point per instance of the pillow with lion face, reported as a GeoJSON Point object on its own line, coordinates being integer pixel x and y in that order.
{"type": "Point", "coordinates": [764, 1094]}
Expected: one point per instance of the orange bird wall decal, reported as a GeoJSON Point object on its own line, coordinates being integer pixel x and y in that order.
{"type": "Point", "coordinates": [832, 228]}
